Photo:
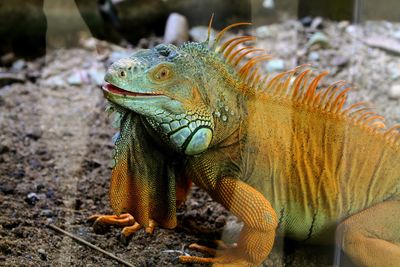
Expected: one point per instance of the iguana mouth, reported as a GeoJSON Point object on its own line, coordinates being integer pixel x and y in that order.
{"type": "Point", "coordinates": [108, 87]}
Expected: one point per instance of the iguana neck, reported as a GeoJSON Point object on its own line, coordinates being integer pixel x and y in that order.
{"type": "Point", "coordinates": [221, 90]}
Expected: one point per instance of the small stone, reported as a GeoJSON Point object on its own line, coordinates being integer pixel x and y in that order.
{"type": "Point", "coordinates": [343, 24]}
{"type": "Point", "coordinates": [268, 4]}
{"type": "Point", "coordinates": [263, 32]}
{"type": "Point", "coordinates": [306, 21]}
{"type": "Point", "coordinates": [42, 254]}
{"type": "Point", "coordinates": [339, 61]}
{"type": "Point", "coordinates": [316, 24]}
{"type": "Point", "coordinates": [4, 149]}
{"type": "Point", "coordinates": [199, 33]}
{"type": "Point", "coordinates": [313, 56]}
{"type": "Point", "coordinates": [32, 198]}
{"type": "Point", "coordinates": [176, 29]}
{"type": "Point", "coordinates": [7, 58]}
{"type": "Point", "coordinates": [47, 213]}
{"type": "Point", "coordinates": [394, 91]}
{"type": "Point", "coordinates": [89, 43]}
{"type": "Point", "coordinates": [275, 65]}
{"type": "Point", "coordinates": [220, 221]}
{"type": "Point", "coordinates": [18, 65]}
{"type": "Point", "coordinates": [7, 187]}
{"type": "Point", "coordinates": [394, 71]}
{"type": "Point", "coordinates": [75, 79]}
{"type": "Point", "coordinates": [318, 38]}
{"type": "Point", "coordinates": [97, 75]}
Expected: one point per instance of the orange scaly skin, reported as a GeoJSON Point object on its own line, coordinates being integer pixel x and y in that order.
{"type": "Point", "coordinates": [261, 147]}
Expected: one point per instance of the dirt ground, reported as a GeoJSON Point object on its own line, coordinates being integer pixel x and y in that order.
{"type": "Point", "coordinates": [55, 149]}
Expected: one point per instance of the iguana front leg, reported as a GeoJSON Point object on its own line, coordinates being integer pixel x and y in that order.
{"type": "Point", "coordinates": [260, 222]}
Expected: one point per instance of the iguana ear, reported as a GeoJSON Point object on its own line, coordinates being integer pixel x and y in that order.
{"type": "Point", "coordinates": [142, 183]}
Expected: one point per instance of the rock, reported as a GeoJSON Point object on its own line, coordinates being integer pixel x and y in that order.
{"type": "Point", "coordinates": [199, 33]}
{"type": "Point", "coordinates": [97, 75]}
{"type": "Point", "coordinates": [89, 43]}
{"type": "Point", "coordinates": [268, 4]}
{"type": "Point", "coordinates": [54, 81]}
{"type": "Point", "coordinates": [339, 60]}
{"type": "Point", "coordinates": [47, 213]}
{"type": "Point", "coordinates": [394, 91]}
{"type": "Point", "coordinates": [384, 43]}
{"type": "Point", "coordinates": [396, 35]}
{"type": "Point", "coordinates": [263, 32]}
{"type": "Point", "coordinates": [116, 55]}
{"type": "Point", "coordinates": [42, 254]}
{"type": "Point", "coordinates": [306, 21]}
{"type": "Point", "coordinates": [313, 56]}
{"type": "Point", "coordinates": [275, 65]}
{"type": "Point", "coordinates": [75, 79]}
{"type": "Point", "coordinates": [7, 187]}
{"type": "Point", "coordinates": [317, 23]}
{"type": "Point", "coordinates": [394, 73]}
{"type": "Point", "coordinates": [18, 65]}
{"type": "Point", "coordinates": [4, 148]}
{"type": "Point", "coordinates": [343, 24]}
{"type": "Point", "coordinates": [176, 29]}
{"type": "Point", "coordinates": [7, 59]}
{"type": "Point", "coordinates": [318, 38]}
{"type": "Point", "coordinates": [32, 198]}
{"type": "Point", "coordinates": [10, 78]}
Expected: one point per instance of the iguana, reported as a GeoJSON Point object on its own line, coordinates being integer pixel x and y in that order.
{"type": "Point", "coordinates": [280, 153]}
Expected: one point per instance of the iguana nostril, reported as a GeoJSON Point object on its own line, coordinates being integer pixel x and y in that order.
{"type": "Point", "coordinates": [122, 73]}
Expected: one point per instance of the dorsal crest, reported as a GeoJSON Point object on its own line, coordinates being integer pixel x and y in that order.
{"type": "Point", "coordinates": [299, 85]}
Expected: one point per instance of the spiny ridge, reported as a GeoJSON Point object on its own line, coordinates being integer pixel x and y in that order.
{"type": "Point", "coordinates": [303, 88]}
{"type": "Point", "coordinates": [300, 86]}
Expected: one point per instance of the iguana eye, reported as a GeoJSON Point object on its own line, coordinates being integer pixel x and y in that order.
{"type": "Point", "coordinates": [161, 74]}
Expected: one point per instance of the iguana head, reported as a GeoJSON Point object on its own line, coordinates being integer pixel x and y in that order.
{"type": "Point", "coordinates": [154, 84]}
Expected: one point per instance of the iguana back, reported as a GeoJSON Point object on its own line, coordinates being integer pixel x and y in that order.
{"type": "Point", "coordinates": [316, 161]}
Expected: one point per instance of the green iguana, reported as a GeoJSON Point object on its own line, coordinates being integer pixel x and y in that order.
{"type": "Point", "coordinates": [280, 153]}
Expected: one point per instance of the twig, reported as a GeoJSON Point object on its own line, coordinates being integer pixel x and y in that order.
{"type": "Point", "coordinates": [82, 241]}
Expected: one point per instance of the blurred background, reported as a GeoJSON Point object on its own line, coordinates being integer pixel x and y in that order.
{"type": "Point", "coordinates": [27, 22]}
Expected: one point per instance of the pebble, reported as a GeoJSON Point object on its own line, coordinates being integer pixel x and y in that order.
{"type": "Point", "coordinates": [275, 65]}
{"type": "Point", "coordinates": [32, 198]}
{"type": "Point", "coordinates": [7, 187]}
{"type": "Point", "coordinates": [313, 56]}
{"type": "Point", "coordinates": [75, 79]}
{"type": "Point", "coordinates": [18, 65]}
{"type": "Point", "coordinates": [176, 29]}
{"type": "Point", "coordinates": [339, 60]}
{"type": "Point", "coordinates": [396, 35]}
{"type": "Point", "coordinates": [42, 254]}
{"type": "Point", "coordinates": [263, 32]}
{"type": "Point", "coordinates": [97, 75]}
{"type": "Point", "coordinates": [199, 33]}
{"type": "Point", "coordinates": [268, 4]}
{"type": "Point", "coordinates": [317, 23]}
{"type": "Point", "coordinates": [394, 91]}
{"type": "Point", "coordinates": [318, 38]}
{"type": "Point", "coordinates": [343, 24]}
{"type": "Point", "coordinates": [47, 213]}
{"type": "Point", "coordinates": [306, 21]}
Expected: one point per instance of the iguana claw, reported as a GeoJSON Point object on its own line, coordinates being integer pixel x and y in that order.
{"type": "Point", "coordinates": [224, 251]}
{"type": "Point", "coordinates": [126, 220]}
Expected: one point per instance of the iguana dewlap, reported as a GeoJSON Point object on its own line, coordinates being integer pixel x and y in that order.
{"type": "Point", "coordinates": [279, 153]}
